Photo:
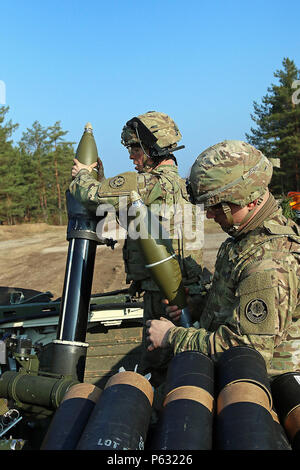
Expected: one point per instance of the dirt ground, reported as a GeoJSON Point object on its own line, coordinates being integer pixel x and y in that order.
{"type": "Point", "coordinates": [33, 256]}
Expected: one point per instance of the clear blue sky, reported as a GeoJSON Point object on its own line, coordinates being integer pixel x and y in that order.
{"type": "Point", "coordinates": [201, 62]}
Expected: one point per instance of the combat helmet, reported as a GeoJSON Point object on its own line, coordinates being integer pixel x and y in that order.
{"type": "Point", "coordinates": [154, 130]}
{"type": "Point", "coordinates": [231, 171]}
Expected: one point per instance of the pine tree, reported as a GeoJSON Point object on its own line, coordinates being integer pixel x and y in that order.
{"type": "Point", "coordinates": [8, 169]}
{"type": "Point", "coordinates": [34, 143]}
{"type": "Point", "coordinates": [30, 195]}
{"type": "Point", "coordinates": [48, 160]}
{"type": "Point", "coordinates": [277, 133]}
{"type": "Point", "coordinates": [61, 157]}
{"type": "Point", "coordinates": [34, 174]}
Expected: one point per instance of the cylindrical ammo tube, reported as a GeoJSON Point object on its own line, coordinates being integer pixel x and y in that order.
{"type": "Point", "coordinates": [156, 247]}
{"type": "Point", "coordinates": [282, 442]}
{"type": "Point", "coordinates": [286, 394]}
{"type": "Point", "coordinates": [186, 420]}
{"type": "Point", "coordinates": [121, 417]}
{"type": "Point", "coordinates": [71, 417]}
{"type": "Point", "coordinates": [244, 402]}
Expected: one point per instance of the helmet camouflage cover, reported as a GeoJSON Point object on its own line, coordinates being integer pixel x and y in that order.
{"type": "Point", "coordinates": [231, 171]}
{"type": "Point", "coordinates": [161, 126]}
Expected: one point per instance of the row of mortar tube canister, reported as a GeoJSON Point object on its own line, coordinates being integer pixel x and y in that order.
{"type": "Point", "coordinates": [241, 418]}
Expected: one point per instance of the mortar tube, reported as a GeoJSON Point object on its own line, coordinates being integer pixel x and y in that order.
{"type": "Point", "coordinates": [70, 348]}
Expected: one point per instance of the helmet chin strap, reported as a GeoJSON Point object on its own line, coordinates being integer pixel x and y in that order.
{"type": "Point", "coordinates": [146, 165]}
{"type": "Point", "coordinates": [233, 228]}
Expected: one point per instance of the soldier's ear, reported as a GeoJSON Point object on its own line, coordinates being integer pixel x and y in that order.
{"type": "Point", "coordinates": [252, 204]}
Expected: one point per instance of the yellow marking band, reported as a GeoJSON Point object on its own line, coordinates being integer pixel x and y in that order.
{"type": "Point", "coordinates": [84, 390]}
{"type": "Point", "coordinates": [238, 392]}
{"type": "Point", "coordinates": [190, 392]}
{"type": "Point", "coordinates": [133, 379]}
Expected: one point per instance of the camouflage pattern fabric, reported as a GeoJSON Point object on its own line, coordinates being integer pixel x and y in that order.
{"type": "Point", "coordinates": [161, 126]}
{"type": "Point", "coordinates": [161, 189]}
{"type": "Point", "coordinates": [231, 171]}
{"type": "Point", "coordinates": [254, 298]}
{"type": "Point", "coordinates": [91, 193]}
{"type": "Point", "coordinates": [164, 191]}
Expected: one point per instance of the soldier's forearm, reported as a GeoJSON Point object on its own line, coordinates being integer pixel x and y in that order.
{"type": "Point", "coordinates": [83, 179]}
{"type": "Point", "coordinates": [89, 191]}
{"type": "Point", "coordinates": [189, 339]}
{"type": "Point", "coordinates": [215, 343]}
{"type": "Point", "coordinates": [84, 188]}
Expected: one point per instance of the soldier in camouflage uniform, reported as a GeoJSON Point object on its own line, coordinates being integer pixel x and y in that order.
{"type": "Point", "coordinates": [151, 140]}
{"type": "Point", "coordinates": [254, 297]}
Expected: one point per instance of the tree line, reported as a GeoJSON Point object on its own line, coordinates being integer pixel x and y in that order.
{"type": "Point", "coordinates": [277, 131]}
{"type": "Point", "coordinates": [35, 172]}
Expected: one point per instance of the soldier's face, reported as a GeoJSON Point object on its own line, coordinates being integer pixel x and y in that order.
{"type": "Point", "coordinates": [136, 154]}
{"type": "Point", "coordinates": [216, 212]}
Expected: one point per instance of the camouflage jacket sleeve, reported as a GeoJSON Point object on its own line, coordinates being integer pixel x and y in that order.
{"type": "Point", "coordinates": [91, 193]}
{"type": "Point", "coordinates": [265, 317]}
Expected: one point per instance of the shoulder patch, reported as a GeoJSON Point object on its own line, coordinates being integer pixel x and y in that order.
{"type": "Point", "coordinates": [117, 181]}
{"type": "Point", "coordinates": [257, 304]}
{"type": "Point", "coordinates": [120, 185]}
{"type": "Point", "coordinates": [256, 311]}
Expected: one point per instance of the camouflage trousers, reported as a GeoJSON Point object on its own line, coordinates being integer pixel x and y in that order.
{"type": "Point", "coordinates": [155, 361]}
